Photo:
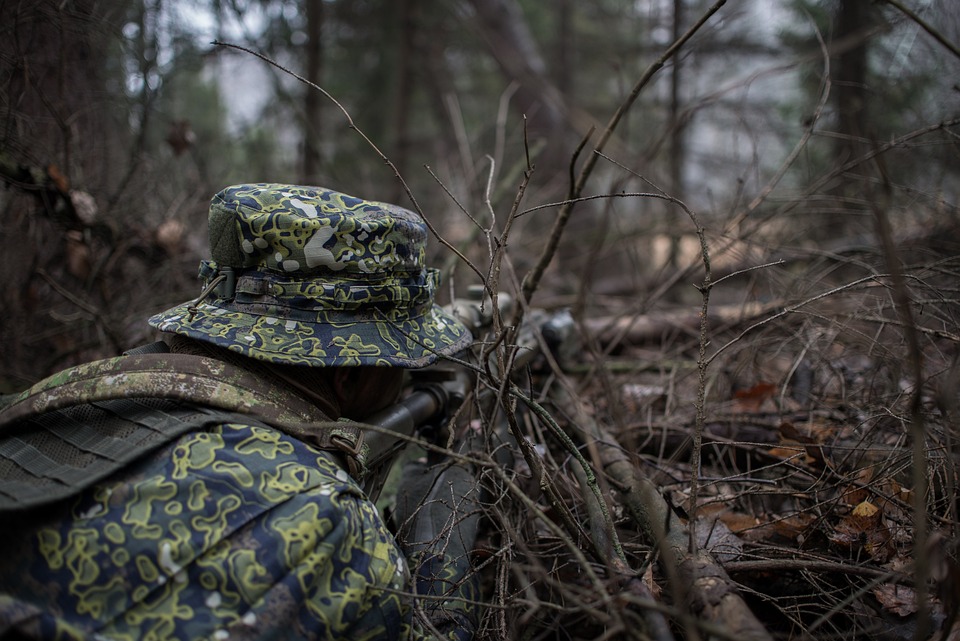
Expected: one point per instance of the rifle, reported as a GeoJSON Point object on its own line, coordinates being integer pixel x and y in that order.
{"type": "Point", "coordinates": [439, 498]}
{"type": "Point", "coordinates": [437, 393]}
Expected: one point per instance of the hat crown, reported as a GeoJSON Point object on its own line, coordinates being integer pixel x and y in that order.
{"type": "Point", "coordinates": [310, 276]}
{"type": "Point", "coordinates": [312, 231]}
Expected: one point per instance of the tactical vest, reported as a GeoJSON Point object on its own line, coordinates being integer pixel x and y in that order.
{"type": "Point", "coordinates": [82, 424]}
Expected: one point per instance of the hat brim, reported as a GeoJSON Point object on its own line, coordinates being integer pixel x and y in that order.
{"type": "Point", "coordinates": [410, 343]}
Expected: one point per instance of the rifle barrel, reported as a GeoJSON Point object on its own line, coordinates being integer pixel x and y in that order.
{"type": "Point", "coordinates": [402, 419]}
{"type": "Point", "coordinates": [405, 416]}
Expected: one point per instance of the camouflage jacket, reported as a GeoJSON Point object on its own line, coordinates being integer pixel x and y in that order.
{"type": "Point", "coordinates": [247, 473]}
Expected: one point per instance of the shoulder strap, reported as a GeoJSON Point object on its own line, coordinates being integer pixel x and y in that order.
{"type": "Point", "coordinates": [192, 379]}
{"type": "Point", "coordinates": [156, 347]}
{"type": "Point", "coordinates": [56, 455]}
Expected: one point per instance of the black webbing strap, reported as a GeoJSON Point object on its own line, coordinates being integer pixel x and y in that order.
{"type": "Point", "coordinates": [56, 414]}
{"type": "Point", "coordinates": [158, 347]}
{"type": "Point", "coordinates": [57, 455]}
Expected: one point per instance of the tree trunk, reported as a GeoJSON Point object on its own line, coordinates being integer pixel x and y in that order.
{"type": "Point", "coordinates": [850, 80]}
{"type": "Point", "coordinates": [313, 106]}
{"type": "Point", "coordinates": [676, 129]}
{"type": "Point", "coordinates": [563, 45]}
{"type": "Point", "coordinates": [852, 20]}
{"type": "Point", "coordinates": [503, 25]}
{"type": "Point", "coordinates": [406, 61]}
{"type": "Point", "coordinates": [59, 142]}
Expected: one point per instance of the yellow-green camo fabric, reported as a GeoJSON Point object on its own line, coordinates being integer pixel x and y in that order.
{"type": "Point", "coordinates": [319, 278]}
{"type": "Point", "coordinates": [238, 532]}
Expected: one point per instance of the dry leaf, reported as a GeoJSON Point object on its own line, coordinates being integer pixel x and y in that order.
{"type": "Point", "coordinates": [866, 512]}
{"type": "Point", "coordinates": [739, 522]}
{"type": "Point", "coordinates": [864, 529]}
{"type": "Point", "coordinates": [789, 528]}
{"type": "Point", "coordinates": [812, 435]}
{"type": "Point", "coordinates": [899, 599]}
{"type": "Point", "coordinates": [855, 494]}
{"type": "Point", "coordinates": [795, 527]}
{"type": "Point", "coordinates": [715, 536]}
{"type": "Point", "coordinates": [808, 432]}
{"type": "Point", "coordinates": [651, 583]}
{"type": "Point", "coordinates": [79, 260]}
{"type": "Point", "coordinates": [85, 205]}
{"type": "Point", "coordinates": [169, 235]}
{"type": "Point", "coordinates": [750, 400]}
{"type": "Point", "coordinates": [180, 136]}
{"type": "Point", "coordinates": [58, 179]}
{"type": "Point", "coordinates": [787, 451]}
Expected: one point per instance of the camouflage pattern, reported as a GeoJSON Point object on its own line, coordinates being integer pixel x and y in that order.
{"type": "Point", "coordinates": [235, 522]}
{"type": "Point", "coordinates": [104, 519]}
{"type": "Point", "coordinates": [452, 591]}
{"type": "Point", "coordinates": [315, 277]}
{"type": "Point", "coordinates": [174, 376]}
{"type": "Point", "coordinates": [237, 532]}
{"type": "Point", "coordinates": [36, 469]}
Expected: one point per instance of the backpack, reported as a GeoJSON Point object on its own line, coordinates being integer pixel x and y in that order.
{"type": "Point", "coordinates": [82, 424]}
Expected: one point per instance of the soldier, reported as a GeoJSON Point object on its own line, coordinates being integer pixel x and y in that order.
{"type": "Point", "coordinates": [204, 486]}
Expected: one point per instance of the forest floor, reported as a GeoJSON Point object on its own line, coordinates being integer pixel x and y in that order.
{"type": "Point", "coordinates": [807, 414]}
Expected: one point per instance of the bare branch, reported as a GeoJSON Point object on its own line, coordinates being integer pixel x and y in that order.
{"type": "Point", "coordinates": [532, 280]}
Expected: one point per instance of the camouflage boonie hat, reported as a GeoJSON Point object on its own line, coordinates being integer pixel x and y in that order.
{"type": "Point", "coordinates": [309, 276]}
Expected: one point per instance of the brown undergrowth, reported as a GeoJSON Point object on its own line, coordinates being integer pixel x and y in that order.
{"type": "Point", "coordinates": [806, 493]}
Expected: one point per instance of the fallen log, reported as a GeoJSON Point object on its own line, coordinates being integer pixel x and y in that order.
{"type": "Point", "coordinates": [648, 327]}
{"type": "Point", "coordinates": [697, 580]}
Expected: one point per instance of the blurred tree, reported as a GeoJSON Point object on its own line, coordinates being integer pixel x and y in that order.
{"type": "Point", "coordinates": [676, 127]}
{"type": "Point", "coordinates": [112, 134]}
{"type": "Point", "coordinates": [58, 146]}
{"type": "Point", "coordinates": [54, 66]}
{"type": "Point", "coordinates": [854, 20]}
{"type": "Point", "coordinates": [128, 104]}
{"type": "Point", "coordinates": [563, 47]}
{"type": "Point", "coordinates": [313, 107]}
{"type": "Point", "coordinates": [871, 98]}
{"type": "Point", "coordinates": [504, 28]}
{"type": "Point", "coordinates": [404, 78]}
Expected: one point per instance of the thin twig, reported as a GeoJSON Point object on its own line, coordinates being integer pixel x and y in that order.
{"type": "Point", "coordinates": [792, 308]}
{"type": "Point", "coordinates": [746, 270]}
{"type": "Point", "coordinates": [901, 301]}
{"type": "Point", "coordinates": [939, 37]}
{"type": "Point", "coordinates": [532, 280]}
{"type": "Point", "coordinates": [366, 139]}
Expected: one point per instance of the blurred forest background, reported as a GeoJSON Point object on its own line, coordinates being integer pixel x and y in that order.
{"type": "Point", "coordinates": [797, 160]}
{"type": "Point", "coordinates": [121, 119]}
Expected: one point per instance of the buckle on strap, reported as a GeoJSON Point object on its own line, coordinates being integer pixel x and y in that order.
{"type": "Point", "coordinates": [347, 438]}
{"type": "Point", "coordinates": [224, 285]}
